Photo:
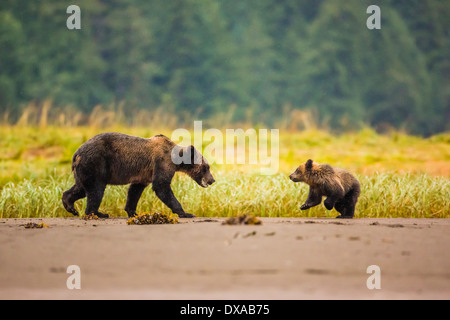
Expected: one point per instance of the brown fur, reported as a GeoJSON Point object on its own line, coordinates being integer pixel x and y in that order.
{"type": "Point", "coordinates": [118, 159]}
{"type": "Point", "coordinates": [340, 187]}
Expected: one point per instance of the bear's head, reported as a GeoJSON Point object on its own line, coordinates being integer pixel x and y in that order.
{"type": "Point", "coordinates": [299, 175]}
{"type": "Point", "coordinates": [191, 162]}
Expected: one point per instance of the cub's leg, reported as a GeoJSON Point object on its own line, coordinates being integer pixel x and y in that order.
{"type": "Point", "coordinates": [70, 196]}
{"type": "Point", "coordinates": [341, 207]}
{"type": "Point", "coordinates": [314, 198]}
{"type": "Point", "coordinates": [134, 194]}
{"type": "Point", "coordinates": [330, 202]}
{"type": "Point", "coordinates": [346, 206]}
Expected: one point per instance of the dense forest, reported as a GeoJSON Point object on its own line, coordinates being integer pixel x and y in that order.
{"type": "Point", "coordinates": [256, 57]}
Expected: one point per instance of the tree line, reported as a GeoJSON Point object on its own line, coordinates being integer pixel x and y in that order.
{"type": "Point", "coordinates": [256, 57]}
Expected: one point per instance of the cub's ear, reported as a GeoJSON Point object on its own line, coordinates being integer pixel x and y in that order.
{"type": "Point", "coordinates": [308, 164]}
{"type": "Point", "coordinates": [180, 151]}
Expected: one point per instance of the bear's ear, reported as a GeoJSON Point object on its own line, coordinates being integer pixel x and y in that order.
{"type": "Point", "coordinates": [309, 164]}
{"type": "Point", "coordinates": [180, 152]}
{"type": "Point", "coordinates": [187, 154]}
{"type": "Point", "coordinates": [191, 151]}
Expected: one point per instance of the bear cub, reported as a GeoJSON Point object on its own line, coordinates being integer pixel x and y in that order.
{"type": "Point", "coordinates": [118, 159]}
{"type": "Point", "coordinates": [340, 187]}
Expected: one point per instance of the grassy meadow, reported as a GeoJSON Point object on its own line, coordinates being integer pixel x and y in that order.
{"type": "Point", "coordinates": [400, 175]}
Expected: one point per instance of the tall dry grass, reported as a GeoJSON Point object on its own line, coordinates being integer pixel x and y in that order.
{"type": "Point", "coordinates": [401, 175]}
{"type": "Point", "coordinates": [383, 195]}
{"type": "Point", "coordinates": [44, 114]}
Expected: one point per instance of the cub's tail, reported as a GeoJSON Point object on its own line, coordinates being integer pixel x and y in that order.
{"type": "Point", "coordinates": [75, 161]}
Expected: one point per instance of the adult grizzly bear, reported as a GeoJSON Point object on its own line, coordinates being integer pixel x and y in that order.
{"type": "Point", "coordinates": [340, 187]}
{"type": "Point", "coordinates": [118, 159]}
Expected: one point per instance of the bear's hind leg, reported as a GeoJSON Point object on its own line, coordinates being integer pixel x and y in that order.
{"type": "Point", "coordinates": [70, 196]}
{"type": "Point", "coordinates": [349, 202]}
{"type": "Point", "coordinates": [94, 195]}
{"type": "Point", "coordinates": [346, 208]}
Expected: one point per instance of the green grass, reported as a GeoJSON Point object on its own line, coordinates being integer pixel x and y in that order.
{"type": "Point", "coordinates": [400, 175]}
{"type": "Point", "coordinates": [383, 195]}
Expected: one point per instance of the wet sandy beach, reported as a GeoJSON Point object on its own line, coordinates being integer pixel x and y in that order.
{"type": "Point", "coordinates": [199, 258]}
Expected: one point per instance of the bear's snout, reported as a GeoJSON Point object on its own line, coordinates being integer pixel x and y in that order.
{"type": "Point", "coordinates": [207, 181]}
{"type": "Point", "coordinates": [294, 177]}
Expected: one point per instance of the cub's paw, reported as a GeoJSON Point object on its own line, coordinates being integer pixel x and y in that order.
{"type": "Point", "coordinates": [328, 204]}
{"type": "Point", "coordinates": [304, 207]}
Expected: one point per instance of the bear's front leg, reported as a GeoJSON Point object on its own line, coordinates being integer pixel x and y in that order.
{"type": "Point", "coordinates": [305, 206]}
{"type": "Point", "coordinates": [165, 194]}
{"type": "Point", "coordinates": [329, 203]}
{"type": "Point", "coordinates": [134, 193]}
{"type": "Point", "coordinates": [314, 198]}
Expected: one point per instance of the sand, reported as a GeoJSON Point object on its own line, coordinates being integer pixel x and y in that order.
{"type": "Point", "coordinates": [199, 258]}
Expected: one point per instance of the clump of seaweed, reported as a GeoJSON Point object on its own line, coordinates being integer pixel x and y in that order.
{"type": "Point", "coordinates": [33, 225]}
{"type": "Point", "coordinates": [243, 219]}
{"type": "Point", "coordinates": [155, 218]}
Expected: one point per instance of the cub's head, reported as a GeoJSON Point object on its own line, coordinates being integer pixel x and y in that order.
{"type": "Point", "coordinates": [191, 162]}
{"type": "Point", "coordinates": [299, 175]}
